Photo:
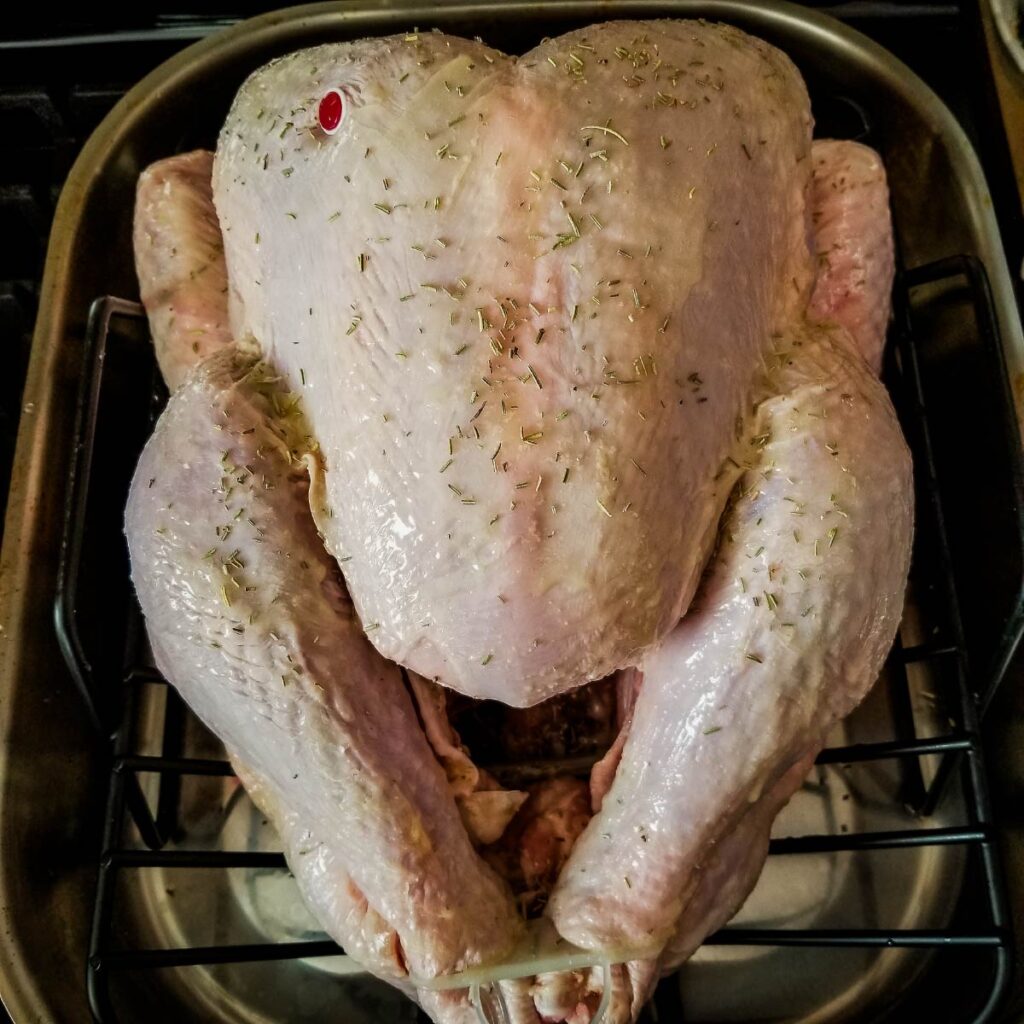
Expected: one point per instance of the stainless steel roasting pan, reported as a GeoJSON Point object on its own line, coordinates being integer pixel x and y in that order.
{"type": "Point", "coordinates": [890, 905]}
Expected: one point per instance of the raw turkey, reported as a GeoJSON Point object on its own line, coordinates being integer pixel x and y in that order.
{"type": "Point", "coordinates": [540, 393]}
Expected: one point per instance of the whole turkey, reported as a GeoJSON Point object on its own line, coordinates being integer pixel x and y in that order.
{"type": "Point", "coordinates": [494, 378]}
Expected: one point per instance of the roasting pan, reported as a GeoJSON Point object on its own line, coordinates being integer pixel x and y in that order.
{"type": "Point", "coordinates": [889, 902]}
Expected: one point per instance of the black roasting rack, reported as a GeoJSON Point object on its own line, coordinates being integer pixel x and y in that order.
{"type": "Point", "coordinates": [969, 661]}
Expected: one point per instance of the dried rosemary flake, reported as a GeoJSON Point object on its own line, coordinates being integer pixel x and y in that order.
{"type": "Point", "coordinates": [606, 130]}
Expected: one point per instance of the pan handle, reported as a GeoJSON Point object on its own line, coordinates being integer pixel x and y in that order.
{"type": "Point", "coordinates": [94, 349]}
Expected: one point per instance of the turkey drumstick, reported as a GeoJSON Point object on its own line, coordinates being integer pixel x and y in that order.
{"type": "Point", "coordinates": [248, 617]}
{"type": "Point", "coordinates": [794, 618]}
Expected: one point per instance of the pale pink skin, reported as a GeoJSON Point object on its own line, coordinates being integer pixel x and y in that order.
{"type": "Point", "coordinates": [853, 244]}
{"type": "Point", "coordinates": [179, 257]}
{"type": "Point", "coordinates": [714, 742]}
{"type": "Point", "coordinates": [820, 537]}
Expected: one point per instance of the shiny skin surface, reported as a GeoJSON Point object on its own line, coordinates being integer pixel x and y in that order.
{"type": "Point", "coordinates": [795, 617]}
{"type": "Point", "coordinates": [248, 617]}
{"type": "Point", "coordinates": [506, 293]}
